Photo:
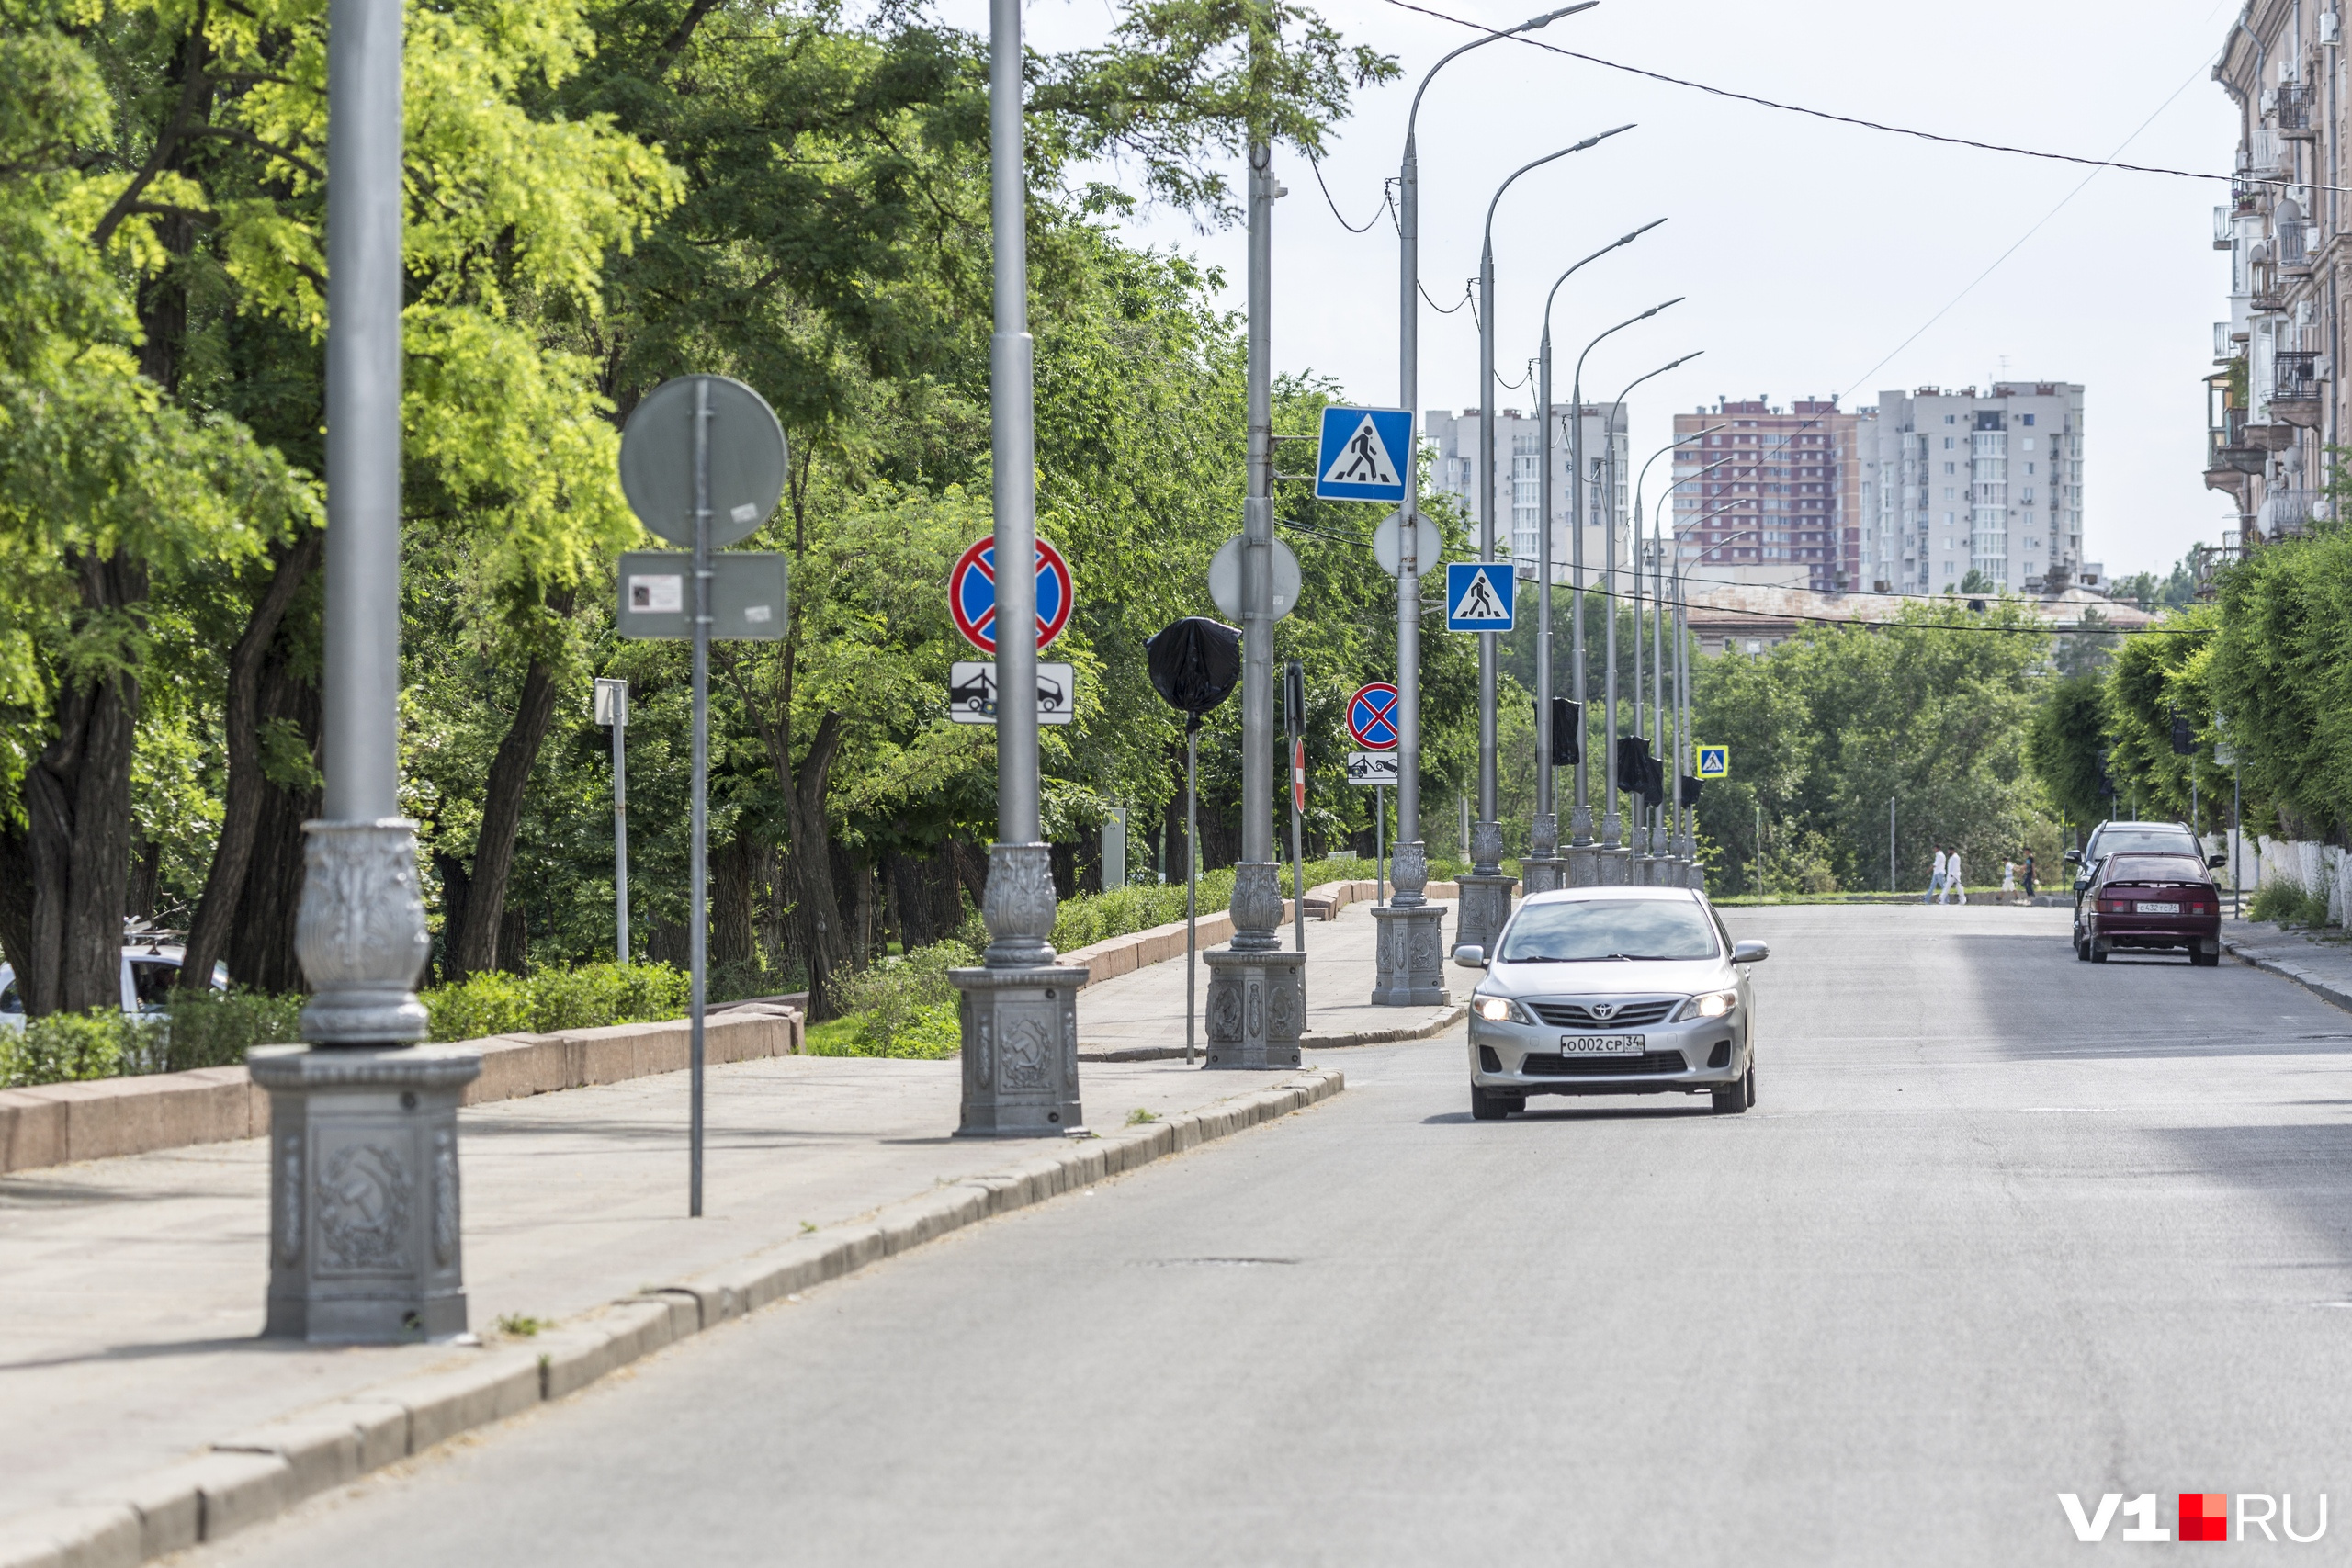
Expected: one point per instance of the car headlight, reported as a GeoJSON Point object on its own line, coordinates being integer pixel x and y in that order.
{"type": "Point", "coordinates": [1708, 1004]}
{"type": "Point", "coordinates": [1499, 1009]}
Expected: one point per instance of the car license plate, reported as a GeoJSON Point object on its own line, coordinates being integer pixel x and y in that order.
{"type": "Point", "coordinates": [1602, 1045]}
{"type": "Point", "coordinates": [2160, 909]}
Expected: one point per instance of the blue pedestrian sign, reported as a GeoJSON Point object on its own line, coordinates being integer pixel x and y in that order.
{"type": "Point", "coordinates": [1364, 455]}
{"type": "Point", "coordinates": [1715, 761]}
{"type": "Point", "coordinates": [1479, 595]}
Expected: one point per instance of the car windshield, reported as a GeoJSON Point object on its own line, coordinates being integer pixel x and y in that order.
{"type": "Point", "coordinates": [1574, 932]}
{"type": "Point", "coordinates": [2156, 868]}
{"type": "Point", "coordinates": [2124, 840]}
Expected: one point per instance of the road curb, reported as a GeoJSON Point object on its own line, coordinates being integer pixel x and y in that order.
{"type": "Point", "coordinates": [1436, 1026]}
{"type": "Point", "coordinates": [2325, 990]}
{"type": "Point", "coordinates": [267, 1469]}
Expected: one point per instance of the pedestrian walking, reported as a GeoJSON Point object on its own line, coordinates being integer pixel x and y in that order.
{"type": "Point", "coordinates": [2009, 876]}
{"type": "Point", "coordinates": [1935, 880]}
{"type": "Point", "coordinates": [2029, 877]}
{"type": "Point", "coordinates": [1954, 891]}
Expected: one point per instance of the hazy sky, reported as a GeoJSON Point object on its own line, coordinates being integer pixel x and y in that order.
{"type": "Point", "coordinates": [1809, 251]}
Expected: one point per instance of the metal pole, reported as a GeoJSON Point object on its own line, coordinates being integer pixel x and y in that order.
{"type": "Point", "coordinates": [1020, 985]}
{"type": "Point", "coordinates": [1192, 883]}
{"type": "Point", "coordinates": [1380, 843]}
{"type": "Point", "coordinates": [620, 826]}
{"type": "Point", "coordinates": [698, 856]}
{"type": "Point", "coordinates": [1608, 821]}
{"type": "Point", "coordinates": [1638, 839]}
{"type": "Point", "coordinates": [1889, 843]}
{"type": "Point", "coordinates": [1257, 535]}
{"type": "Point", "coordinates": [1294, 706]}
{"type": "Point", "coordinates": [2237, 833]}
{"type": "Point", "coordinates": [1657, 814]}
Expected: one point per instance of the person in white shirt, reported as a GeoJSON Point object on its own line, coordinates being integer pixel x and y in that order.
{"type": "Point", "coordinates": [1935, 880]}
{"type": "Point", "coordinates": [1954, 891]}
{"type": "Point", "coordinates": [2009, 876]}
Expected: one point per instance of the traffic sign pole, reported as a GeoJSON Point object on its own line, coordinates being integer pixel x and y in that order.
{"type": "Point", "coordinates": [698, 854]}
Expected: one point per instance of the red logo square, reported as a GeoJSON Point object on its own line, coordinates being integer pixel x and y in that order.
{"type": "Point", "coordinates": [2204, 1516]}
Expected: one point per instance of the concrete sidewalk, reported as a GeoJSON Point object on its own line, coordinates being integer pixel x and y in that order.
{"type": "Point", "coordinates": [132, 1288]}
{"type": "Point", "coordinates": [1140, 1016]}
{"type": "Point", "coordinates": [2321, 965]}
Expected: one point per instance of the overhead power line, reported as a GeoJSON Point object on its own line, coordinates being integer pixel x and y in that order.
{"type": "Point", "coordinates": [1854, 119]}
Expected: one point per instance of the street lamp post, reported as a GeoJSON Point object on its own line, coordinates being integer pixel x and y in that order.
{"type": "Point", "coordinates": [1584, 856]}
{"type": "Point", "coordinates": [1691, 875]}
{"type": "Point", "coordinates": [1544, 868]}
{"type": "Point", "coordinates": [1408, 964]}
{"type": "Point", "coordinates": [611, 710]}
{"type": "Point", "coordinates": [1018, 1010]}
{"type": "Point", "coordinates": [1485, 891]}
{"type": "Point", "coordinates": [1655, 848]}
{"type": "Point", "coordinates": [1616, 867]}
{"type": "Point", "coordinates": [1257, 1006]}
{"type": "Point", "coordinates": [365, 1226]}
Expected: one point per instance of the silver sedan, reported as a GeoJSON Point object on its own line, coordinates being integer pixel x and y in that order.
{"type": "Point", "coordinates": [1612, 990]}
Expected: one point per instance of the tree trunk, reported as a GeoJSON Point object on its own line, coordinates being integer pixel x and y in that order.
{"type": "Point", "coordinates": [730, 905]}
{"type": "Point", "coordinates": [77, 808]}
{"type": "Point", "coordinates": [475, 947]}
{"type": "Point", "coordinates": [216, 911]}
{"type": "Point", "coordinates": [824, 935]}
{"type": "Point", "coordinates": [260, 943]}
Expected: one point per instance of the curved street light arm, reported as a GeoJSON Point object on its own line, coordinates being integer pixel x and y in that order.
{"type": "Point", "coordinates": [1537, 163]}
{"type": "Point", "coordinates": [1621, 240]}
{"type": "Point", "coordinates": [1532, 24]}
{"type": "Point", "coordinates": [1578, 380]}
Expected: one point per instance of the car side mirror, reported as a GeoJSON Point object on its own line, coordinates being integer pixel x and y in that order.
{"type": "Point", "coordinates": [2215, 862]}
{"type": "Point", "coordinates": [2073, 857]}
{"type": "Point", "coordinates": [1470, 957]}
{"type": "Point", "coordinates": [1749, 952]}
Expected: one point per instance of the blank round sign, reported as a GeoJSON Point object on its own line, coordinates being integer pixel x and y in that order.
{"type": "Point", "coordinates": [746, 459]}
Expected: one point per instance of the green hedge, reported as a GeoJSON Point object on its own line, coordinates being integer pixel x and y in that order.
{"type": "Point", "coordinates": [1090, 917]}
{"type": "Point", "coordinates": [594, 994]}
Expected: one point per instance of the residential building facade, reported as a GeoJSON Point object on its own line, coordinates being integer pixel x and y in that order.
{"type": "Point", "coordinates": [1519, 451]}
{"type": "Point", "coordinates": [1951, 483]}
{"type": "Point", "coordinates": [2275, 405]}
{"type": "Point", "coordinates": [1769, 495]}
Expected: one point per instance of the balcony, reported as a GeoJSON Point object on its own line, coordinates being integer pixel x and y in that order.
{"type": "Point", "coordinates": [2296, 396]}
{"type": "Point", "coordinates": [2299, 112]}
{"type": "Point", "coordinates": [2266, 161]}
{"type": "Point", "coordinates": [2225, 227]}
{"type": "Point", "coordinates": [2229, 456]}
{"type": "Point", "coordinates": [2286, 513]}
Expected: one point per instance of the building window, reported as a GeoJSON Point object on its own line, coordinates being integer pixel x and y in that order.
{"type": "Point", "coordinates": [2028, 419]}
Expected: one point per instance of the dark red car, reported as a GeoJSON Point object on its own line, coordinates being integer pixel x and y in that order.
{"type": "Point", "coordinates": [2151, 902]}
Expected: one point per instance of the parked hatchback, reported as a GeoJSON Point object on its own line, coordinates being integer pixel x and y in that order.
{"type": "Point", "coordinates": [2149, 902]}
{"type": "Point", "coordinates": [1612, 990]}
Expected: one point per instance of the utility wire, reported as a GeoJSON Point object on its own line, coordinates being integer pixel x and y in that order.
{"type": "Point", "coordinates": [1317, 165]}
{"type": "Point", "coordinates": [1851, 120]}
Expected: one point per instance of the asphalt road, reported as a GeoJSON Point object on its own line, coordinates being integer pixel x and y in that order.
{"type": "Point", "coordinates": [2002, 1226]}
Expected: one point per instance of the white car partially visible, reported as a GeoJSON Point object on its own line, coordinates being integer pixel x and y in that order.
{"type": "Point", "coordinates": [150, 970]}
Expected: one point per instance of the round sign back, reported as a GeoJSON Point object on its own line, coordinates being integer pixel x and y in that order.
{"type": "Point", "coordinates": [746, 450]}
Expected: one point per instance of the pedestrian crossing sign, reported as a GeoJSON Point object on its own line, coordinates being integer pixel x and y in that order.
{"type": "Point", "coordinates": [1715, 761]}
{"type": "Point", "coordinates": [1479, 595]}
{"type": "Point", "coordinates": [1363, 455]}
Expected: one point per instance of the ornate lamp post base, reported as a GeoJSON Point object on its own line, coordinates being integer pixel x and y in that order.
{"type": "Point", "coordinates": [1615, 863]}
{"type": "Point", "coordinates": [1584, 864]}
{"type": "Point", "coordinates": [1409, 962]}
{"type": "Point", "coordinates": [1486, 895]}
{"type": "Point", "coordinates": [1019, 1009]}
{"type": "Point", "coordinates": [1020, 1051]}
{"type": "Point", "coordinates": [1542, 870]}
{"type": "Point", "coordinates": [1256, 1007]}
{"type": "Point", "coordinates": [364, 1214]}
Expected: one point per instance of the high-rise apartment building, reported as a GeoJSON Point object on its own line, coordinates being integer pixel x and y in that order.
{"type": "Point", "coordinates": [1955, 482]}
{"type": "Point", "coordinates": [1519, 452]}
{"type": "Point", "coordinates": [1769, 495]}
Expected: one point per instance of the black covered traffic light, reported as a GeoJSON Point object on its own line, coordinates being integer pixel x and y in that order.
{"type": "Point", "coordinates": [1690, 790]}
{"type": "Point", "coordinates": [1568, 733]}
{"type": "Point", "coordinates": [2184, 738]}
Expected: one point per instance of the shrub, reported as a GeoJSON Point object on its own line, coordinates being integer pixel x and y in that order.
{"type": "Point", "coordinates": [215, 1029]}
{"type": "Point", "coordinates": [905, 997]}
{"type": "Point", "coordinates": [2289, 904]}
{"type": "Point", "coordinates": [494, 1002]}
{"type": "Point", "coordinates": [71, 1047]}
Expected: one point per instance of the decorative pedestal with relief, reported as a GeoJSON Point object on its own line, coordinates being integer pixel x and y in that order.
{"type": "Point", "coordinates": [1485, 895]}
{"type": "Point", "coordinates": [1615, 863]}
{"type": "Point", "coordinates": [1019, 1009]}
{"type": "Point", "coordinates": [1543, 870]}
{"type": "Point", "coordinates": [1408, 959]}
{"type": "Point", "coordinates": [1257, 1006]}
{"type": "Point", "coordinates": [365, 1225]}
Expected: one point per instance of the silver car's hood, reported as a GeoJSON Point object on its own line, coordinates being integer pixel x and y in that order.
{"type": "Point", "coordinates": [1611, 978]}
